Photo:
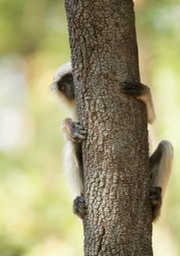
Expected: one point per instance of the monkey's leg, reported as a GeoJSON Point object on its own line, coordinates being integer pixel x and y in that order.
{"type": "Point", "coordinates": [160, 167]}
{"type": "Point", "coordinates": [141, 92]}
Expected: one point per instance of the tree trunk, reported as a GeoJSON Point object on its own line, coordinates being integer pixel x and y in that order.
{"type": "Point", "coordinates": [115, 153]}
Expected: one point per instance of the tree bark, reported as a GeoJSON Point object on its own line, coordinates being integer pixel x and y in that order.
{"type": "Point", "coordinates": [115, 153]}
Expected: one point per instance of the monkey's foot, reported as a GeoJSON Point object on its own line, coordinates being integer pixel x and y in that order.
{"type": "Point", "coordinates": [79, 207]}
{"type": "Point", "coordinates": [135, 89]}
{"type": "Point", "coordinates": [73, 130]}
{"type": "Point", "coordinates": [156, 201]}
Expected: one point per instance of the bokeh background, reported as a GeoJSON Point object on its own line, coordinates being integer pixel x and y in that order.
{"type": "Point", "coordinates": [35, 201]}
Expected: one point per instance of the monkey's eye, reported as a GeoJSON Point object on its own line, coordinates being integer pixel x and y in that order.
{"type": "Point", "coordinates": [62, 88]}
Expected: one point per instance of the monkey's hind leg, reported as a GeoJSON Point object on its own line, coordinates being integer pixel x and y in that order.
{"type": "Point", "coordinates": [160, 167]}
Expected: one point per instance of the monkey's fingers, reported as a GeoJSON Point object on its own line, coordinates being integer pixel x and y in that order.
{"type": "Point", "coordinates": [77, 136]}
{"type": "Point", "coordinates": [79, 129]}
{"type": "Point", "coordinates": [156, 201]}
{"type": "Point", "coordinates": [134, 89]}
{"type": "Point", "coordinates": [77, 133]}
{"type": "Point", "coordinates": [155, 195]}
{"type": "Point", "coordinates": [79, 207]}
{"type": "Point", "coordinates": [73, 130]}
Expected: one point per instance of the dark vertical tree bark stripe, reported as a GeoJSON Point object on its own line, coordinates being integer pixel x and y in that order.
{"type": "Point", "coordinates": [115, 154]}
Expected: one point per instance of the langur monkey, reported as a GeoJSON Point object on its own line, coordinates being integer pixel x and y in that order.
{"type": "Point", "coordinates": [160, 161]}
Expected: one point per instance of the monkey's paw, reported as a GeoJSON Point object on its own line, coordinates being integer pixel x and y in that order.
{"type": "Point", "coordinates": [73, 130]}
{"type": "Point", "coordinates": [134, 89]}
{"type": "Point", "coordinates": [155, 198]}
{"type": "Point", "coordinates": [79, 207]}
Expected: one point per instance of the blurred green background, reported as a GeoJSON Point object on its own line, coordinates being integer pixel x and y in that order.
{"type": "Point", "coordinates": [35, 201]}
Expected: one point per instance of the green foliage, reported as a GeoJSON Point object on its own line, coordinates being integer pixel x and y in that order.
{"type": "Point", "coordinates": [26, 25]}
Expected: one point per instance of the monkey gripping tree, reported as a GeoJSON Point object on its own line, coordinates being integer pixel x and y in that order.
{"type": "Point", "coordinates": [115, 153]}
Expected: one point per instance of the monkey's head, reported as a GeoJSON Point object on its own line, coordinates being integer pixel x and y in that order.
{"type": "Point", "coordinates": [63, 84]}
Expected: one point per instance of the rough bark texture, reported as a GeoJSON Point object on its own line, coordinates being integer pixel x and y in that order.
{"type": "Point", "coordinates": [115, 154]}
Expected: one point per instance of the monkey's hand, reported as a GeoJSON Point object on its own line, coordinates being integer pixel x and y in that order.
{"type": "Point", "coordinates": [73, 130]}
{"type": "Point", "coordinates": [156, 201]}
{"type": "Point", "coordinates": [142, 92]}
{"type": "Point", "coordinates": [79, 207]}
{"type": "Point", "coordinates": [134, 89]}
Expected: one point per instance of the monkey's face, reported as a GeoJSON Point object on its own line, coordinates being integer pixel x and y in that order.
{"type": "Point", "coordinates": [65, 86]}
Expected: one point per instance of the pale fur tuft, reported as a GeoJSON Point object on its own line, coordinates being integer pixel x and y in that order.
{"type": "Point", "coordinates": [62, 70]}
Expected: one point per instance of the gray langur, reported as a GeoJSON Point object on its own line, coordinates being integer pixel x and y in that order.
{"type": "Point", "coordinates": [160, 161]}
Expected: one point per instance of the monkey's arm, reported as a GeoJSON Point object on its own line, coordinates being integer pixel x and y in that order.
{"type": "Point", "coordinates": [74, 134]}
{"type": "Point", "coordinates": [160, 167]}
{"type": "Point", "coordinates": [141, 92]}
